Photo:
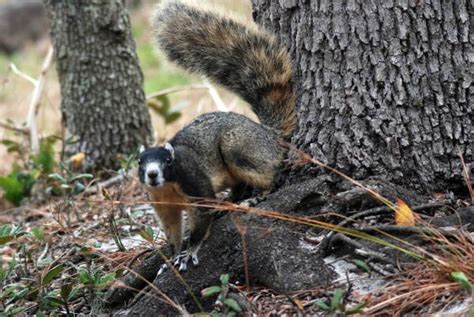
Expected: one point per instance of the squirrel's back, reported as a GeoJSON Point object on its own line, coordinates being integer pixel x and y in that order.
{"type": "Point", "coordinates": [243, 58]}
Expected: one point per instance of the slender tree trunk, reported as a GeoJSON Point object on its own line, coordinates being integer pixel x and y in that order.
{"type": "Point", "coordinates": [385, 86]}
{"type": "Point", "coordinates": [20, 23]}
{"type": "Point", "coordinates": [103, 103]}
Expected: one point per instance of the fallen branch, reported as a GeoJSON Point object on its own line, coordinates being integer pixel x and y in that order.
{"type": "Point", "coordinates": [107, 183]}
{"type": "Point", "coordinates": [215, 96]}
{"type": "Point", "coordinates": [35, 97]}
{"type": "Point", "coordinates": [22, 75]}
{"type": "Point", "coordinates": [207, 85]}
{"type": "Point", "coordinates": [362, 249]}
{"type": "Point", "coordinates": [21, 130]}
{"type": "Point", "coordinates": [174, 90]}
{"type": "Point", "coordinates": [379, 211]}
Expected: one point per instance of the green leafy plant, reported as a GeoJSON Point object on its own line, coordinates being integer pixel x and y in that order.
{"type": "Point", "coordinates": [225, 306]}
{"type": "Point", "coordinates": [95, 278]}
{"type": "Point", "coordinates": [32, 275]}
{"type": "Point", "coordinates": [44, 160]}
{"type": "Point", "coordinates": [462, 280]}
{"type": "Point", "coordinates": [9, 232]}
{"type": "Point", "coordinates": [18, 184]}
{"type": "Point", "coordinates": [361, 265]}
{"type": "Point", "coordinates": [15, 285]}
{"type": "Point", "coordinates": [70, 183]}
{"type": "Point", "coordinates": [130, 161]}
{"type": "Point", "coordinates": [337, 304]}
{"type": "Point", "coordinates": [161, 105]}
{"type": "Point", "coordinates": [92, 277]}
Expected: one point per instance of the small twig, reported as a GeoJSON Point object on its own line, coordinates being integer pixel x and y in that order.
{"type": "Point", "coordinates": [107, 183]}
{"type": "Point", "coordinates": [137, 256]}
{"type": "Point", "coordinates": [467, 176]}
{"type": "Point", "coordinates": [35, 101]}
{"type": "Point", "coordinates": [361, 249]}
{"type": "Point", "coordinates": [35, 97]}
{"type": "Point", "coordinates": [28, 78]}
{"type": "Point", "coordinates": [379, 210]}
{"type": "Point", "coordinates": [173, 90]}
{"type": "Point", "coordinates": [348, 292]}
{"type": "Point", "coordinates": [377, 268]}
{"type": "Point", "coordinates": [242, 230]}
{"type": "Point", "coordinates": [373, 309]}
{"type": "Point", "coordinates": [406, 230]}
{"type": "Point", "coordinates": [144, 291]}
{"type": "Point", "coordinates": [215, 96]}
{"type": "Point", "coordinates": [383, 209]}
{"type": "Point", "coordinates": [115, 233]}
{"type": "Point", "coordinates": [24, 131]}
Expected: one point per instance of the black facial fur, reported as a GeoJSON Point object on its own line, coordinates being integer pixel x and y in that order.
{"type": "Point", "coordinates": [158, 155]}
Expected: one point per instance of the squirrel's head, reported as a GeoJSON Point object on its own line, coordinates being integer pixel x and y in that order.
{"type": "Point", "coordinates": [156, 165]}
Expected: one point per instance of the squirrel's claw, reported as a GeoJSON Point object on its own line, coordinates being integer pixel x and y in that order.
{"type": "Point", "coordinates": [195, 258]}
{"type": "Point", "coordinates": [162, 269]}
{"type": "Point", "coordinates": [181, 261]}
{"type": "Point", "coordinates": [183, 258]}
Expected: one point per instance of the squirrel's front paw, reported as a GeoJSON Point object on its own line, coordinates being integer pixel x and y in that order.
{"type": "Point", "coordinates": [182, 259]}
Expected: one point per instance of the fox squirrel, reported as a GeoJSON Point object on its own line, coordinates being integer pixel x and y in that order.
{"type": "Point", "coordinates": [222, 149]}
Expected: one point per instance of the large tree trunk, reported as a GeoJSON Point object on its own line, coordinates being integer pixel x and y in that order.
{"type": "Point", "coordinates": [103, 103]}
{"type": "Point", "coordinates": [384, 97]}
{"type": "Point", "coordinates": [385, 85]}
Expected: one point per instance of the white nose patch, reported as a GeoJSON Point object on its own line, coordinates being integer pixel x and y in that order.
{"type": "Point", "coordinates": [154, 168]}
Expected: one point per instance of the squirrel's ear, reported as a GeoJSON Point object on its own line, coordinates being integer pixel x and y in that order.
{"type": "Point", "coordinates": [170, 149]}
{"type": "Point", "coordinates": [142, 148]}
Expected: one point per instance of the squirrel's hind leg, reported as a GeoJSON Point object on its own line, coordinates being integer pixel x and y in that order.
{"type": "Point", "coordinates": [252, 157]}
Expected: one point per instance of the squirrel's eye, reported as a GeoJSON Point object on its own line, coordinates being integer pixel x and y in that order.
{"type": "Point", "coordinates": [168, 160]}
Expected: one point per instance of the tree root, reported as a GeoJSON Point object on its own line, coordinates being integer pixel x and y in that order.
{"type": "Point", "coordinates": [271, 251]}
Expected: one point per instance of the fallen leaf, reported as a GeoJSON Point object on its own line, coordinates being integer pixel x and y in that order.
{"type": "Point", "coordinates": [76, 160]}
{"type": "Point", "coordinates": [403, 214]}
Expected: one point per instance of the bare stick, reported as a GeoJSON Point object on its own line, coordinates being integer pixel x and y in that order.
{"type": "Point", "coordinates": [215, 96]}
{"type": "Point", "coordinates": [35, 101]}
{"type": "Point", "coordinates": [26, 77]}
{"type": "Point", "coordinates": [173, 90]}
{"type": "Point", "coordinates": [24, 131]}
{"type": "Point", "coordinates": [107, 183]}
{"type": "Point", "coordinates": [466, 174]}
{"type": "Point", "coordinates": [31, 127]}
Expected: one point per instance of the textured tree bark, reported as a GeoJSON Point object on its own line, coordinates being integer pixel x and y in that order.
{"type": "Point", "coordinates": [103, 103]}
{"type": "Point", "coordinates": [385, 86]}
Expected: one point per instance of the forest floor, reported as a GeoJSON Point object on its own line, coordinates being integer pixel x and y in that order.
{"type": "Point", "coordinates": [60, 255]}
{"type": "Point", "coordinates": [88, 241]}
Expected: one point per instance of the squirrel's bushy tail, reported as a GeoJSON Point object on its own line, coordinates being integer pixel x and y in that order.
{"type": "Point", "coordinates": [247, 60]}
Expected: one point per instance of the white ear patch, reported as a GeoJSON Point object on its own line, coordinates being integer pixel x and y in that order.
{"type": "Point", "coordinates": [170, 149]}
{"type": "Point", "coordinates": [142, 149]}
